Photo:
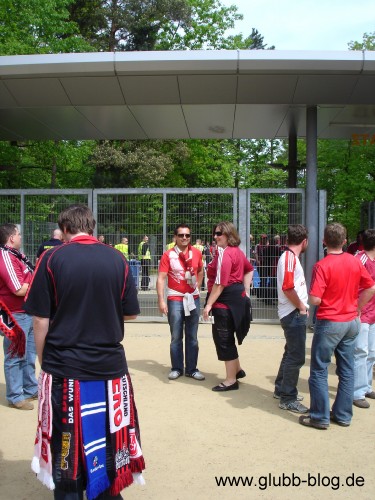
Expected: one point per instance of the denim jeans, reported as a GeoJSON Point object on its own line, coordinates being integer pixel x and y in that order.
{"type": "Point", "coordinates": [294, 326]}
{"type": "Point", "coordinates": [364, 359]}
{"type": "Point", "coordinates": [177, 320]}
{"type": "Point", "coordinates": [20, 377]}
{"type": "Point", "coordinates": [339, 338]}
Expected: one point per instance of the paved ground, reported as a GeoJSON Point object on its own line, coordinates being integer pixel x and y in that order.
{"type": "Point", "coordinates": [191, 435]}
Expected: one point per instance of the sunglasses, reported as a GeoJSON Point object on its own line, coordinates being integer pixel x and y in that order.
{"type": "Point", "coordinates": [182, 235]}
{"type": "Point", "coordinates": [218, 233]}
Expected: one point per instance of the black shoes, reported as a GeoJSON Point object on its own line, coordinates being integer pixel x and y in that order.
{"type": "Point", "coordinates": [241, 374]}
{"type": "Point", "coordinates": [223, 388]}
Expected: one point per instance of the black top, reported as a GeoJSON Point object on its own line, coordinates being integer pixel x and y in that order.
{"type": "Point", "coordinates": [53, 242]}
{"type": "Point", "coordinates": [85, 287]}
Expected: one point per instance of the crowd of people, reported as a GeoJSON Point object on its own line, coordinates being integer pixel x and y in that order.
{"type": "Point", "coordinates": [54, 311]}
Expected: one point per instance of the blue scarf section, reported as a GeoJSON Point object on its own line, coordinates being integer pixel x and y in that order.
{"type": "Point", "coordinates": [93, 413]}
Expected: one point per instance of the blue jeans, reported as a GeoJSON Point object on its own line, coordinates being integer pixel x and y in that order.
{"type": "Point", "coordinates": [339, 338]}
{"type": "Point", "coordinates": [364, 359]}
{"type": "Point", "coordinates": [294, 326]}
{"type": "Point", "coordinates": [20, 377]}
{"type": "Point", "coordinates": [177, 320]}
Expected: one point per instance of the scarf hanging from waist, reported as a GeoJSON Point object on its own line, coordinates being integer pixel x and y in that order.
{"type": "Point", "coordinates": [109, 456]}
{"type": "Point", "coordinates": [11, 329]}
{"type": "Point", "coordinates": [188, 299]}
{"type": "Point", "coordinates": [239, 304]}
{"type": "Point", "coordinates": [42, 460]}
{"type": "Point", "coordinates": [20, 256]}
{"type": "Point", "coordinates": [93, 419]}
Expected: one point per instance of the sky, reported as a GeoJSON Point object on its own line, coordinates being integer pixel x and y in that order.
{"type": "Point", "coordinates": [306, 24]}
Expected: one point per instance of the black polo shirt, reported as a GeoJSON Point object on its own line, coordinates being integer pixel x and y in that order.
{"type": "Point", "coordinates": [85, 288]}
{"type": "Point", "coordinates": [53, 242]}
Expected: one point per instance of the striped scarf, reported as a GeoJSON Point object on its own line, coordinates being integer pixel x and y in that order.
{"type": "Point", "coordinates": [107, 456]}
{"type": "Point", "coordinates": [11, 329]}
{"type": "Point", "coordinates": [187, 263]}
{"type": "Point", "coordinates": [20, 256]}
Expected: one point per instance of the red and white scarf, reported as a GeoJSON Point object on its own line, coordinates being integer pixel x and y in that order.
{"type": "Point", "coordinates": [11, 329]}
{"type": "Point", "coordinates": [187, 263]}
{"type": "Point", "coordinates": [124, 435]}
{"type": "Point", "coordinates": [42, 460]}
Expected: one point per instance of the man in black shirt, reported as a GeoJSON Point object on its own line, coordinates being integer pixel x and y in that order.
{"type": "Point", "coordinates": [54, 241]}
{"type": "Point", "coordinates": [81, 294]}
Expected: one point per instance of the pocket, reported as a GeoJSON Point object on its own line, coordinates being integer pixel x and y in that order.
{"type": "Point", "coordinates": [287, 320]}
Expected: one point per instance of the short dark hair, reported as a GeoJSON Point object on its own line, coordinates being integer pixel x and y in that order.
{"type": "Point", "coordinates": [334, 235]}
{"type": "Point", "coordinates": [296, 234]}
{"type": "Point", "coordinates": [77, 219]}
{"type": "Point", "coordinates": [182, 226]}
{"type": "Point", "coordinates": [368, 239]}
{"type": "Point", "coordinates": [6, 231]}
{"type": "Point", "coordinates": [230, 232]}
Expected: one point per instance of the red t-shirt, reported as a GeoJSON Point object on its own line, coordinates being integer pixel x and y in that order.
{"type": "Point", "coordinates": [13, 274]}
{"type": "Point", "coordinates": [368, 311]}
{"type": "Point", "coordinates": [336, 280]}
{"type": "Point", "coordinates": [228, 267]}
{"type": "Point", "coordinates": [171, 263]}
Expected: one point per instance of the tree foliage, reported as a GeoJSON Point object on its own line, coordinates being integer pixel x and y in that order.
{"type": "Point", "coordinates": [135, 163]}
{"type": "Point", "coordinates": [36, 27]}
{"type": "Point", "coordinates": [368, 42]}
{"type": "Point", "coordinates": [127, 24]}
{"type": "Point", "coordinates": [46, 164]}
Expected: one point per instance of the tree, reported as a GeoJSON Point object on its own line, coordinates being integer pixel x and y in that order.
{"type": "Point", "coordinates": [35, 27]}
{"type": "Point", "coordinates": [127, 24]}
{"type": "Point", "coordinates": [135, 163]}
{"type": "Point", "coordinates": [46, 164]}
{"type": "Point", "coordinates": [347, 172]}
{"type": "Point", "coordinates": [368, 42]}
{"type": "Point", "coordinates": [157, 24]}
{"type": "Point", "coordinates": [255, 41]}
{"type": "Point", "coordinates": [206, 28]}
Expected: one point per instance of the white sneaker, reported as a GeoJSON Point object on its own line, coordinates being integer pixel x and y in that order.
{"type": "Point", "coordinates": [196, 375]}
{"type": "Point", "coordinates": [174, 374]}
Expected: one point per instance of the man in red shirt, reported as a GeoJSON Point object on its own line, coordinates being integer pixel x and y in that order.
{"type": "Point", "coordinates": [183, 266]}
{"type": "Point", "coordinates": [15, 276]}
{"type": "Point", "coordinates": [335, 283]}
{"type": "Point", "coordinates": [364, 354]}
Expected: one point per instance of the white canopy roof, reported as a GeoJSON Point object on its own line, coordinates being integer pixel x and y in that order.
{"type": "Point", "coordinates": [186, 94]}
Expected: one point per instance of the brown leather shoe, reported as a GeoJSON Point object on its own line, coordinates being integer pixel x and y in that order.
{"type": "Point", "coordinates": [22, 405]}
{"type": "Point", "coordinates": [361, 403]}
{"type": "Point", "coordinates": [370, 395]}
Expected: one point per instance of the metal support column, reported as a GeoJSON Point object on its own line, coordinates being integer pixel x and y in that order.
{"type": "Point", "coordinates": [292, 177]}
{"type": "Point", "coordinates": [312, 207]}
{"type": "Point", "coordinates": [242, 222]}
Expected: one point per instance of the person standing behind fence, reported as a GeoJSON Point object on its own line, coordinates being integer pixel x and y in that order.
{"type": "Point", "coordinates": [335, 283]}
{"type": "Point", "coordinates": [260, 256]}
{"type": "Point", "coordinates": [123, 247]}
{"type": "Point", "coordinates": [15, 276]}
{"type": "Point", "coordinates": [229, 279]}
{"type": "Point", "coordinates": [292, 311]}
{"type": "Point", "coordinates": [170, 245]}
{"type": "Point", "coordinates": [364, 352]}
{"type": "Point", "coordinates": [55, 240]}
{"type": "Point", "coordinates": [182, 265]}
{"type": "Point", "coordinates": [199, 246]}
{"type": "Point", "coordinates": [144, 256]}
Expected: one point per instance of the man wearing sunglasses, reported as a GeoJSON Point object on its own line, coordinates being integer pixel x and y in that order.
{"type": "Point", "coordinates": [183, 266]}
